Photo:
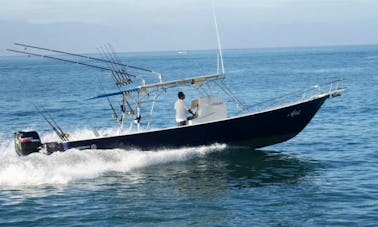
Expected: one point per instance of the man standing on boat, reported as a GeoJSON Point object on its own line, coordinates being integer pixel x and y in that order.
{"type": "Point", "coordinates": [181, 110]}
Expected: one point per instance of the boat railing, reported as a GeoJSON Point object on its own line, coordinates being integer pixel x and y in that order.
{"type": "Point", "coordinates": [330, 88]}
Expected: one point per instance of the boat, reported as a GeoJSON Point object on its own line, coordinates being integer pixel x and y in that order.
{"type": "Point", "coordinates": [212, 124]}
{"type": "Point", "coordinates": [255, 128]}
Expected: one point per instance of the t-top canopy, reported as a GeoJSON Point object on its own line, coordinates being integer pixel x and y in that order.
{"type": "Point", "coordinates": [173, 83]}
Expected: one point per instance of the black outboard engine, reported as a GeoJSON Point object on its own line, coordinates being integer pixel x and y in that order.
{"type": "Point", "coordinates": [27, 142]}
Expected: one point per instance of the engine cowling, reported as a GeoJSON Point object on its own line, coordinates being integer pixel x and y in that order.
{"type": "Point", "coordinates": [26, 142]}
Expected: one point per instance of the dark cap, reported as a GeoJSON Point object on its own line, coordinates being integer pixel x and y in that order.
{"type": "Point", "coordinates": [181, 94]}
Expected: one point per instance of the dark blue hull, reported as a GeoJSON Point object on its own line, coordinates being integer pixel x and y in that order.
{"type": "Point", "coordinates": [255, 130]}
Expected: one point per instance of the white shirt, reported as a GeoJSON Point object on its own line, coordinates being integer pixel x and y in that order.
{"type": "Point", "coordinates": [181, 109]}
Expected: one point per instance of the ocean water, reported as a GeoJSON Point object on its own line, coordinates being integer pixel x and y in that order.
{"type": "Point", "coordinates": [325, 176]}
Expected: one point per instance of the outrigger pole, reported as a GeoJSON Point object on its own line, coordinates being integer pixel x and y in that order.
{"type": "Point", "coordinates": [71, 61]}
{"type": "Point", "coordinates": [87, 57]}
{"type": "Point", "coordinates": [116, 68]}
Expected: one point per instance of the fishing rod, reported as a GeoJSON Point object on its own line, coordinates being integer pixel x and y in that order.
{"type": "Point", "coordinates": [119, 78]}
{"type": "Point", "coordinates": [116, 76]}
{"type": "Point", "coordinates": [48, 118]}
{"type": "Point", "coordinates": [114, 59]}
{"type": "Point", "coordinates": [114, 115]}
{"type": "Point", "coordinates": [84, 56]}
{"type": "Point", "coordinates": [70, 61]}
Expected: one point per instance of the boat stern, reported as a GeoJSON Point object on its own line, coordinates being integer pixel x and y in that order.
{"type": "Point", "coordinates": [27, 142]}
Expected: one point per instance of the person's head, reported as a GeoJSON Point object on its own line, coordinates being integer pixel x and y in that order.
{"type": "Point", "coordinates": [181, 95]}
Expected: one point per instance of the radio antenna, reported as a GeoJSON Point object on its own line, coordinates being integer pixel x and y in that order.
{"type": "Point", "coordinates": [220, 62]}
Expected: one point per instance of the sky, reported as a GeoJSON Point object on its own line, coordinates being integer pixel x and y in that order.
{"type": "Point", "coordinates": [158, 25]}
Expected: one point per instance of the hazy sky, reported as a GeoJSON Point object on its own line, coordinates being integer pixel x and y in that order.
{"type": "Point", "coordinates": [150, 25]}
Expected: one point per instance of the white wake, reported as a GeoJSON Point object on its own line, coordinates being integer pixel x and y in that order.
{"type": "Point", "coordinates": [73, 165]}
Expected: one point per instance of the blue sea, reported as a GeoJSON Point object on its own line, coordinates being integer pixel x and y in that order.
{"type": "Point", "coordinates": [325, 176]}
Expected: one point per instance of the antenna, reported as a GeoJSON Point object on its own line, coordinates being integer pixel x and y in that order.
{"type": "Point", "coordinates": [218, 39]}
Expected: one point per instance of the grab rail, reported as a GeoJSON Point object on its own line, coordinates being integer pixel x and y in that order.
{"type": "Point", "coordinates": [306, 94]}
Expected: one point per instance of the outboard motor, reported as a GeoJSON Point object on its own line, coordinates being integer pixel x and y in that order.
{"type": "Point", "coordinates": [27, 142]}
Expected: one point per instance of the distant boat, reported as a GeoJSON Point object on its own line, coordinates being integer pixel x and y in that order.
{"type": "Point", "coordinates": [182, 52]}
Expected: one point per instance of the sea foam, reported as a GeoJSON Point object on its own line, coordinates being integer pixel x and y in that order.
{"type": "Point", "coordinates": [62, 168]}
